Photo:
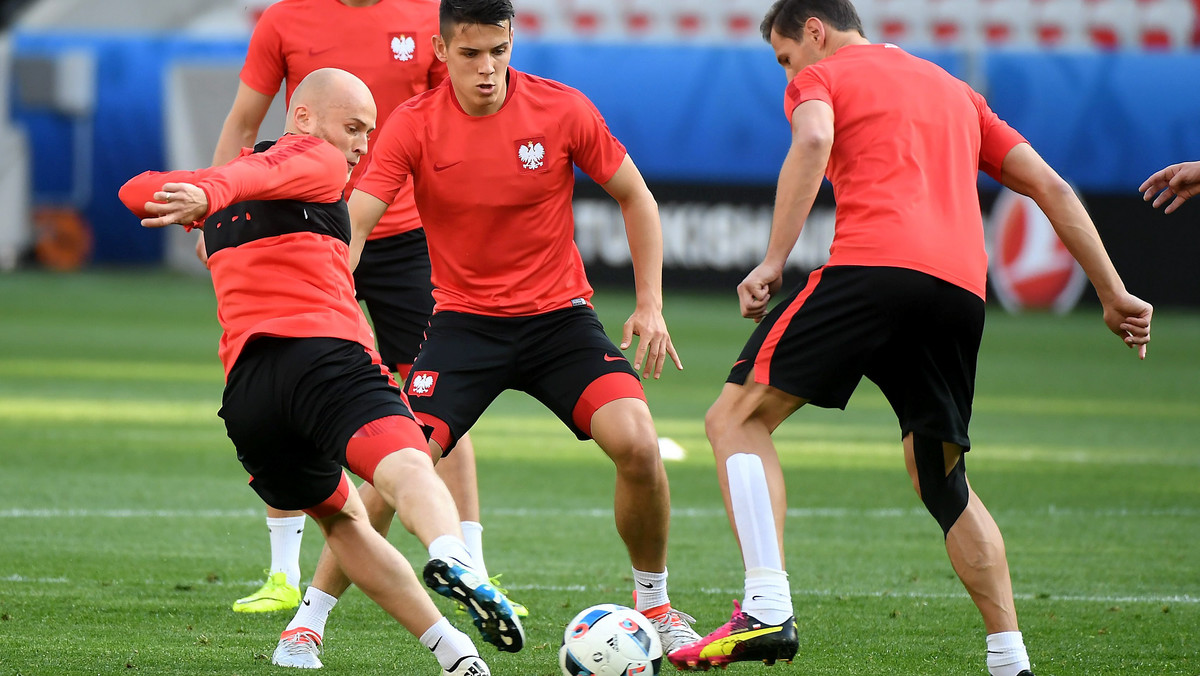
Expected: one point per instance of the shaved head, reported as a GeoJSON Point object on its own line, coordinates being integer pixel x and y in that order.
{"type": "Point", "coordinates": [330, 89]}
{"type": "Point", "coordinates": [336, 106]}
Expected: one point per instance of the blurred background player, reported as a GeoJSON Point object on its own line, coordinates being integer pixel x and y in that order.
{"type": "Point", "coordinates": [305, 391]}
{"type": "Point", "coordinates": [1179, 181]}
{"type": "Point", "coordinates": [386, 43]}
{"type": "Point", "coordinates": [900, 301]}
{"type": "Point", "coordinates": [512, 295]}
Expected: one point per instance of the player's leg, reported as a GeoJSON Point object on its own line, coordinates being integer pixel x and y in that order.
{"type": "Point", "coordinates": [810, 345]}
{"type": "Point", "coordinates": [393, 281]}
{"type": "Point", "coordinates": [588, 383]}
{"type": "Point", "coordinates": [928, 375]}
{"type": "Point", "coordinates": [974, 545]}
{"type": "Point", "coordinates": [281, 591]}
{"type": "Point", "coordinates": [291, 407]}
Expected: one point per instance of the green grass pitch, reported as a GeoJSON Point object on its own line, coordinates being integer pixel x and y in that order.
{"type": "Point", "coordinates": [127, 529]}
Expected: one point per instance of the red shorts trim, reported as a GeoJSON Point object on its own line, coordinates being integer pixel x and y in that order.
{"type": "Point", "coordinates": [332, 504]}
{"type": "Point", "coordinates": [439, 433]}
{"type": "Point", "coordinates": [402, 370]}
{"type": "Point", "coordinates": [380, 438]}
{"type": "Point", "coordinates": [607, 388]}
{"type": "Point", "coordinates": [762, 363]}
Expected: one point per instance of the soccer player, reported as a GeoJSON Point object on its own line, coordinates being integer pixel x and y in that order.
{"type": "Point", "coordinates": [306, 393]}
{"type": "Point", "coordinates": [900, 301]}
{"type": "Point", "coordinates": [387, 44]}
{"type": "Point", "coordinates": [491, 153]}
{"type": "Point", "coordinates": [1180, 181]}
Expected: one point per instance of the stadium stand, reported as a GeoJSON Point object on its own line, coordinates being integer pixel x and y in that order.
{"type": "Point", "coordinates": [960, 24]}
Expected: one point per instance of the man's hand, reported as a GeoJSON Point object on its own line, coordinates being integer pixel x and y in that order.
{"type": "Point", "coordinates": [1180, 181]}
{"type": "Point", "coordinates": [655, 342]}
{"type": "Point", "coordinates": [755, 291]}
{"type": "Point", "coordinates": [1129, 317]}
{"type": "Point", "coordinates": [176, 204]}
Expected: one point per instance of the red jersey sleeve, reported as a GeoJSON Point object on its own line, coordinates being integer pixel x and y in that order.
{"type": "Point", "coordinates": [303, 168]}
{"type": "Point", "coordinates": [997, 138]}
{"type": "Point", "coordinates": [265, 67]}
{"type": "Point", "coordinates": [594, 149]}
{"type": "Point", "coordinates": [141, 188]}
{"type": "Point", "coordinates": [808, 85]}
{"type": "Point", "coordinates": [392, 158]}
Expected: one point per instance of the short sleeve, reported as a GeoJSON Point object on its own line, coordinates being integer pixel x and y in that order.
{"type": "Point", "coordinates": [595, 150]}
{"type": "Point", "coordinates": [265, 66]}
{"type": "Point", "coordinates": [808, 85]}
{"type": "Point", "coordinates": [996, 138]}
{"type": "Point", "coordinates": [393, 157]}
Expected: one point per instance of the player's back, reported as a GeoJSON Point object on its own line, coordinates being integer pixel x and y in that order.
{"type": "Point", "coordinates": [904, 163]}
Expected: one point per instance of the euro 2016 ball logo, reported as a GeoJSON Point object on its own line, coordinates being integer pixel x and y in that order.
{"type": "Point", "coordinates": [1029, 267]}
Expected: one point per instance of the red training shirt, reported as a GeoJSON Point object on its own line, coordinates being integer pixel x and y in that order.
{"type": "Point", "coordinates": [387, 45]}
{"type": "Point", "coordinates": [909, 141]}
{"type": "Point", "coordinates": [495, 192]}
{"type": "Point", "coordinates": [292, 281]}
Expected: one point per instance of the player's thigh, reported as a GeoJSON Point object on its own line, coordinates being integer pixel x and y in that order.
{"type": "Point", "coordinates": [816, 343]}
{"type": "Point", "coordinates": [393, 281]}
{"type": "Point", "coordinates": [927, 370]}
{"type": "Point", "coordinates": [288, 468]}
{"type": "Point", "coordinates": [465, 362]}
{"type": "Point", "coordinates": [576, 369]}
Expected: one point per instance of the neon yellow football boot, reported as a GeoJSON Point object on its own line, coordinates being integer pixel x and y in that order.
{"type": "Point", "coordinates": [275, 594]}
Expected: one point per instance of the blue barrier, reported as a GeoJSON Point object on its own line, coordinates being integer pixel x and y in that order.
{"type": "Point", "coordinates": [688, 113]}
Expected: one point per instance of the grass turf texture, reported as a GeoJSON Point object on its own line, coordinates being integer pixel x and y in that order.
{"type": "Point", "coordinates": [126, 527]}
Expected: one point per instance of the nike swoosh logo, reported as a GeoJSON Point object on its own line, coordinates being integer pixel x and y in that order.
{"type": "Point", "coordinates": [443, 167]}
{"type": "Point", "coordinates": [609, 357]}
{"type": "Point", "coordinates": [756, 597]}
{"type": "Point", "coordinates": [307, 602]}
{"type": "Point", "coordinates": [433, 647]}
{"type": "Point", "coordinates": [740, 361]}
{"type": "Point", "coordinates": [316, 52]}
{"type": "Point", "coordinates": [647, 586]}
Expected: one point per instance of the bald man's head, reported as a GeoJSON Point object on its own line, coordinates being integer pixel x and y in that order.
{"type": "Point", "coordinates": [336, 106]}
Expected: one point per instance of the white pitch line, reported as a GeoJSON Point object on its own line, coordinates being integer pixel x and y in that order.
{"type": "Point", "coordinates": [1186, 599]}
{"type": "Point", "coordinates": [606, 513]}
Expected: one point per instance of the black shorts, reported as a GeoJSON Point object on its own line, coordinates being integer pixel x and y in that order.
{"type": "Point", "coordinates": [290, 407]}
{"type": "Point", "coordinates": [562, 358]}
{"type": "Point", "coordinates": [392, 278]}
{"type": "Point", "coordinates": [912, 334]}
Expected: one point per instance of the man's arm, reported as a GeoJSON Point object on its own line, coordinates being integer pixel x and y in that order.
{"type": "Point", "coordinates": [644, 232]}
{"type": "Point", "coordinates": [1126, 315]}
{"type": "Point", "coordinates": [799, 180]}
{"type": "Point", "coordinates": [1181, 181]}
{"type": "Point", "coordinates": [242, 123]}
{"type": "Point", "coordinates": [365, 212]}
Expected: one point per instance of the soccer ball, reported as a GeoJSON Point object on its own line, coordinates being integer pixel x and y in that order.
{"type": "Point", "coordinates": [610, 640]}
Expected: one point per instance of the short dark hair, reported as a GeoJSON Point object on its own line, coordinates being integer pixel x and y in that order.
{"type": "Point", "coordinates": [458, 12]}
{"type": "Point", "coordinates": [787, 17]}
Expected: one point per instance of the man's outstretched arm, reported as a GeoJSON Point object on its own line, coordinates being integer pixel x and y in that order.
{"type": "Point", "coordinates": [1125, 314]}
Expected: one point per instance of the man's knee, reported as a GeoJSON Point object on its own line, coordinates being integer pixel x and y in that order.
{"type": "Point", "coordinates": [945, 494]}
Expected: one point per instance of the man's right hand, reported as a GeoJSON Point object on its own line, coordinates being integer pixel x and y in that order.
{"type": "Point", "coordinates": [1129, 317]}
{"type": "Point", "coordinates": [755, 291]}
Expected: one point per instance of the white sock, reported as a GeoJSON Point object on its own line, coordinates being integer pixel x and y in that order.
{"type": "Point", "coordinates": [767, 598]}
{"type": "Point", "coordinates": [450, 547]}
{"type": "Point", "coordinates": [1006, 655]}
{"type": "Point", "coordinates": [313, 611]}
{"type": "Point", "coordinates": [286, 535]}
{"type": "Point", "coordinates": [650, 590]}
{"type": "Point", "coordinates": [473, 536]}
{"type": "Point", "coordinates": [448, 644]}
{"type": "Point", "coordinates": [751, 500]}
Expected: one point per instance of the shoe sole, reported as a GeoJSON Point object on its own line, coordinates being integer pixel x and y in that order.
{"type": "Point", "coordinates": [492, 615]}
